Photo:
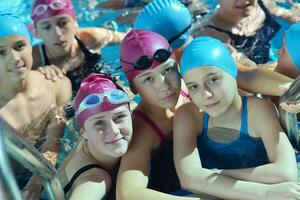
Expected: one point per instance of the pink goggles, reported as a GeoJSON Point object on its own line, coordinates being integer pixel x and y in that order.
{"type": "Point", "coordinates": [44, 9]}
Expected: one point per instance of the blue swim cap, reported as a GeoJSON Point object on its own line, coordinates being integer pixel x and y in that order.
{"type": "Point", "coordinates": [207, 51]}
{"type": "Point", "coordinates": [292, 41]}
{"type": "Point", "coordinates": [11, 24]}
{"type": "Point", "coordinates": [168, 18]}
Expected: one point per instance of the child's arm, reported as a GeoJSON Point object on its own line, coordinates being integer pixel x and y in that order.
{"type": "Point", "coordinates": [282, 165]}
{"type": "Point", "coordinates": [263, 81]}
{"type": "Point", "coordinates": [133, 174]}
{"type": "Point", "coordinates": [198, 179]}
{"type": "Point", "coordinates": [93, 184]}
{"type": "Point", "coordinates": [289, 15]}
{"type": "Point", "coordinates": [95, 37]}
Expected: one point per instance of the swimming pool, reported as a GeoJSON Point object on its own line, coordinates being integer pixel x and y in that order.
{"type": "Point", "coordinates": [89, 14]}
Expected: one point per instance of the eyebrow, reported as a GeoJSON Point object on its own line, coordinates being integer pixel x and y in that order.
{"type": "Point", "coordinates": [120, 112]}
{"type": "Point", "coordinates": [210, 74]}
{"type": "Point", "coordinates": [62, 18]}
{"type": "Point", "coordinates": [146, 74]}
{"type": "Point", "coordinates": [98, 118]}
{"type": "Point", "coordinates": [45, 23]}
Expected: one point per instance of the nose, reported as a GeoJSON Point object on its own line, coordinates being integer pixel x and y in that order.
{"type": "Point", "coordinates": [164, 83]}
{"type": "Point", "coordinates": [57, 31]}
{"type": "Point", "coordinates": [15, 55]}
{"type": "Point", "coordinates": [206, 93]}
{"type": "Point", "coordinates": [113, 128]}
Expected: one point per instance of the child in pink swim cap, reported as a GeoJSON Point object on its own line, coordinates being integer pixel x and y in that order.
{"type": "Point", "coordinates": [142, 50]}
{"type": "Point", "coordinates": [102, 111]}
{"type": "Point", "coordinates": [67, 48]}
{"type": "Point", "coordinates": [98, 93]}
{"type": "Point", "coordinates": [150, 66]}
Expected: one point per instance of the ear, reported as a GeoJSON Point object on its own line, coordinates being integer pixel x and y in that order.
{"type": "Point", "coordinates": [132, 88]}
{"type": "Point", "coordinates": [35, 31]}
{"type": "Point", "coordinates": [83, 133]}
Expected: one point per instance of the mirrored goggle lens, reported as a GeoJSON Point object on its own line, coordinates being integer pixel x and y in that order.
{"type": "Point", "coordinates": [92, 100]}
{"type": "Point", "coordinates": [144, 62]}
{"type": "Point", "coordinates": [117, 96]}
{"type": "Point", "coordinates": [58, 5]}
{"type": "Point", "coordinates": [40, 9]}
{"type": "Point", "coordinates": [162, 55]}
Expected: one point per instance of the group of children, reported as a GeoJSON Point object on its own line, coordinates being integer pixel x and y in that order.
{"type": "Point", "coordinates": [192, 133]}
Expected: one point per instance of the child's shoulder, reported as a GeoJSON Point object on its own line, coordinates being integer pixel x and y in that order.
{"type": "Point", "coordinates": [259, 108]}
{"type": "Point", "coordinates": [190, 114]}
{"type": "Point", "coordinates": [255, 102]}
{"type": "Point", "coordinates": [188, 108]}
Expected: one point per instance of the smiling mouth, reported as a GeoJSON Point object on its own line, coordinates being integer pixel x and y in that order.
{"type": "Point", "coordinates": [62, 43]}
{"type": "Point", "coordinates": [244, 6]}
{"type": "Point", "coordinates": [169, 96]}
{"type": "Point", "coordinates": [211, 105]}
{"type": "Point", "coordinates": [16, 68]}
{"type": "Point", "coordinates": [115, 141]}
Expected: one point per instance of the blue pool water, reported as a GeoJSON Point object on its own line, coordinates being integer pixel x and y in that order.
{"type": "Point", "coordinates": [88, 13]}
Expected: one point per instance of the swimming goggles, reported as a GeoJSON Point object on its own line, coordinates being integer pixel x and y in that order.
{"type": "Point", "coordinates": [144, 62]}
{"type": "Point", "coordinates": [93, 100]}
{"type": "Point", "coordinates": [54, 5]}
{"type": "Point", "coordinates": [172, 39]}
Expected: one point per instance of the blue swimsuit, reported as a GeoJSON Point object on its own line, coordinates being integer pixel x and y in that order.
{"type": "Point", "coordinates": [244, 152]}
{"type": "Point", "coordinates": [257, 46]}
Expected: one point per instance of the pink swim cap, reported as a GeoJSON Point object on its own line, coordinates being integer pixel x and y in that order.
{"type": "Point", "coordinates": [138, 43]}
{"type": "Point", "coordinates": [43, 9]}
{"type": "Point", "coordinates": [97, 84]}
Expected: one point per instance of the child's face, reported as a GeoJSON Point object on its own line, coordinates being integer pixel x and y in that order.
{"type": "Point", "coordinates": [15, 57]}
{"type": "Point", "coordinates": [110, 132]}
{"type": "Point", "coordinates": [285, 65]}
{"type": "Point", "coordinates": [159, 86]}
{"type": "Point", "coordinates": [211, 89]}
{"type": "Point", "coordinates": [57, 32]}
{"type": "Point", "coordinates": [242, 8]}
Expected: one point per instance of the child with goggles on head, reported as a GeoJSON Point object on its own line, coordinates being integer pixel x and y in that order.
{"type": "Point", "coordinates": [28, 102]}
{"type": "Point", "coordinates": [67, 49]}
{"type": "Point", "coordinates": [147, 170]}
{"type": "Point", "coordinates": [222, 144]}
{"type": "Point", "coordinates": [103, 114]}
{"type": "Point", "coordinates": [159, 14]}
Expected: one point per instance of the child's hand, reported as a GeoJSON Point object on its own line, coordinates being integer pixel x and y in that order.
{"type": "Point", "coordinates": [33, 189]}
{"type": "Point", "coordinates": [291, 108]}
{"type": "Point", "coordinates": [284, 190]}
{"type": "Point", "coordinates": [51, 72]}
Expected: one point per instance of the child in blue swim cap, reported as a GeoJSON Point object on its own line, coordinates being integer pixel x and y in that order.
{"type": "Point", "coordinates": [222, 144]}
{"type": "Point", "coordinates": [169, 18]}
{"type": "Point", "coordinates": [12, 25]}
{"type": "Point", "coordinates": [289, 61]}
{"type": "Point", "coordinates": [288, 54]}
{"type": "Point", "coordinates": [28, 102]}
